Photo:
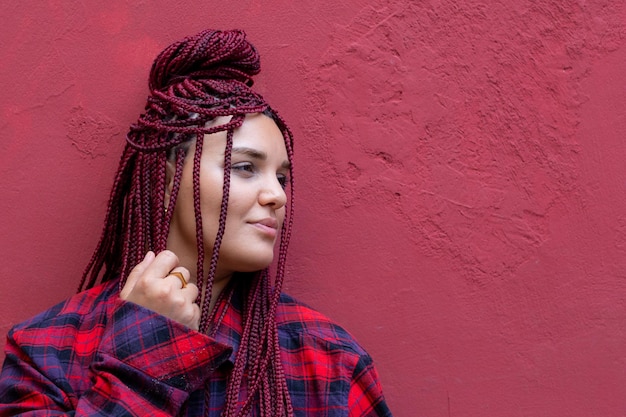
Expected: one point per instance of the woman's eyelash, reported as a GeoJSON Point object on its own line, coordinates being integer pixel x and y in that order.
{"type": "Point", "coordinates": [249, 168]}
{"type": "Point", "coordinates": [244, 166]}
{"type": "Point", "coordinates": [283, 180]}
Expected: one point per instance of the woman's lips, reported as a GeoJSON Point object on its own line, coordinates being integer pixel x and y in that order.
{"type": "Point", "coordinates": [268, 226]}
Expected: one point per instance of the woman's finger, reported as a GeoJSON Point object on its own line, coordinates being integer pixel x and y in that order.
{"type": "Point", "coordinates": [163, 263]}
{"type": "Point", "coordinates": [136, 273]}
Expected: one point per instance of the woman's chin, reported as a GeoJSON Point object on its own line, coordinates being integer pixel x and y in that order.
{"type": "Point", "coordinates": [249, 264]}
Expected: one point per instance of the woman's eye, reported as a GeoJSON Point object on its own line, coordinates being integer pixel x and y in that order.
{"type": "Point", "coordinates": [283, 180]}
{"type": "Point", "coordinates": [246, 167]}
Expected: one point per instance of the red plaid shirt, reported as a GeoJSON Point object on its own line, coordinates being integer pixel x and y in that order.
{"type": "Point", "coordinates": [95, 354]}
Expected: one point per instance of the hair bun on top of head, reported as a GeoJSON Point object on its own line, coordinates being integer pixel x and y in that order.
{"type": "Point", "coordinates": [211, 54]}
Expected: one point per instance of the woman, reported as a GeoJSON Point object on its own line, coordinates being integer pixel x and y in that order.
{"type": "Point", "coordinates": [180, 315]}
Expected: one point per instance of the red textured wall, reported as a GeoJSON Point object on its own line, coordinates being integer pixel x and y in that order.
{"type": "Point", "coordinates": [461, 178]}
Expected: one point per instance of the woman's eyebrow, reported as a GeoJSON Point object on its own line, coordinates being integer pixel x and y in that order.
{"type": "Point", "coordinates": [256, 154]}
{"type": "Point", "coordinates": [253, 153]}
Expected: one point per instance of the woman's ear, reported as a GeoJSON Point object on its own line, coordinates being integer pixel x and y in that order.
{"type": "Point", "coordinates": [184, 150]}
{"type": "Point", "coordinates": [170, 170]}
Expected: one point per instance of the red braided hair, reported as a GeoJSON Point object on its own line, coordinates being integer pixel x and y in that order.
{"type": "Point", "coordinates": [192, 82]}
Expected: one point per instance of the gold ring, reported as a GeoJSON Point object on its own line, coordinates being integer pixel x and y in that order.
{"type": "Point", "coordinates": [180, 277]}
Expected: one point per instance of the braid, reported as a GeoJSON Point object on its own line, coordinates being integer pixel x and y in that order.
{"type": "Point", "coordinates": [198, 215]}
{"type": "Point", "coordinates": [112, 230]}
{"type": "Point", "coordinates": [193, 82]}
{"type": "Point", "coordinates": [220, 232]}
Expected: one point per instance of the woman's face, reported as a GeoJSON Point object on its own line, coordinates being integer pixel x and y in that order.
{"type": "Point", "coordinates": [256, 203]}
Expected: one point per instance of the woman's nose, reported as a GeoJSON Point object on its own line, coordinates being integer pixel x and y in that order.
{"type": "Point", "coordinates": [273, 193]}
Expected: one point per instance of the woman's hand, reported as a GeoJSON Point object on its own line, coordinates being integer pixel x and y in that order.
{"type": "Point", "coordinates": [151, 285]}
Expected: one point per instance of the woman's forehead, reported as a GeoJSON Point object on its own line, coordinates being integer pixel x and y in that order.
{"type": "Point", "coordinates": [258, 134]}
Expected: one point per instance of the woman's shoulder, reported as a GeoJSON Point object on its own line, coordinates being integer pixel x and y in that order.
{"type": "Point", "coordinates": [310, 326]}
{"type": "Point", "coordinates": [75, 309]}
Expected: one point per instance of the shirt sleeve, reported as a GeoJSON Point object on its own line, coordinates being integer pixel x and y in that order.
{"type": "Point", "coordinates": [365, 398]}
{"type": "Point", "coordinates": [143, 364]}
